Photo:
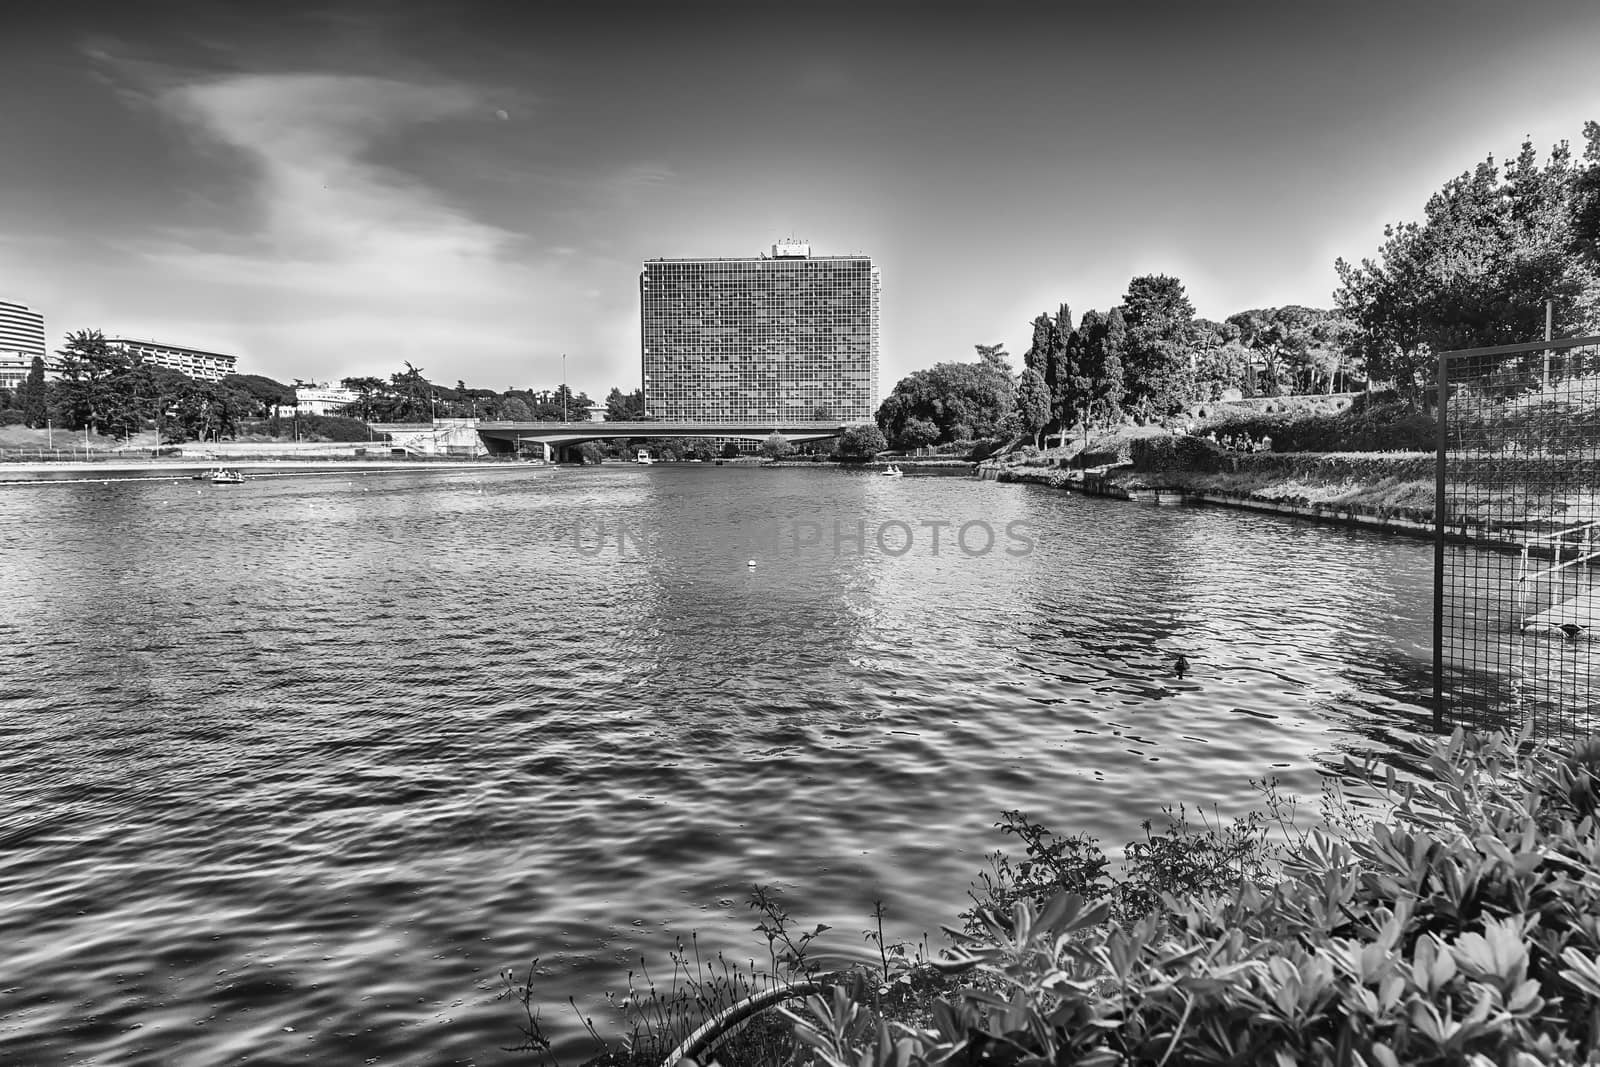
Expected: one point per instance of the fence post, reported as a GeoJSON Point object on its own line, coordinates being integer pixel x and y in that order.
{"type": "Point", "coordinates": [1441, 444]}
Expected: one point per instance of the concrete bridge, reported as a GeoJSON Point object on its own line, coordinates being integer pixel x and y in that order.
{"type": "Point", "coordinates": [516, 436]}
{"type": "Point", "coordinates": [465, 436]}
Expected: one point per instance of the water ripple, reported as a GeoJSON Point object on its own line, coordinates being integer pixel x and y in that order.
{"type": "Point", "coordinates": [293, 773]}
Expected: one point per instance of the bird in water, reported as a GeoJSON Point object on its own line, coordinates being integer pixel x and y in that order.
{"type": "Point", "coordinates": [1571, 629]}
{"type": "Point", "coordinates": [1180, 666]}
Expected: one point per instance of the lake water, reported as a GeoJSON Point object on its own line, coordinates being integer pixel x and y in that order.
{"type": "Point", "coordinates": [291, 771]}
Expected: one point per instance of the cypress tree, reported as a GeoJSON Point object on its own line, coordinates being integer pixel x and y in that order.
{"type": "Point", "coordinates": [33, 397]}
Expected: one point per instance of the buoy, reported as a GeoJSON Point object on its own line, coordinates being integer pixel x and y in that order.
{"type": "Point", "coordinates": [752, 563]}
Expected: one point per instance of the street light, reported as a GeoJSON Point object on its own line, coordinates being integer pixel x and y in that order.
{"type": "Point", "coordinates": [563, 388]}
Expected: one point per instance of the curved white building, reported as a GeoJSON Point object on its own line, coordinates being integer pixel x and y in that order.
{"type": "Point", "coordinates": [21, 339]}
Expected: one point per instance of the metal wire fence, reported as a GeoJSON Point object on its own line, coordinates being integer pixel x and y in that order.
{"type": "Point", "coordinates": [1517, 540]}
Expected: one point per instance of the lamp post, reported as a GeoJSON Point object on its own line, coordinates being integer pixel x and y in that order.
{"type": "Point", "coordinates": [563, 388]}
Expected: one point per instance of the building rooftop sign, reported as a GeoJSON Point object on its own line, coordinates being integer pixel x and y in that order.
{"type": "Point", "coordinates": [791, 249]}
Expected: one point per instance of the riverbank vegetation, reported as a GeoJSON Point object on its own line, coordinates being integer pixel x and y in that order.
{"type": "Point", "coordinates": [1493, 246]}
{"type": "Point", "coordinates": [101, 387]}
{"type": "Point", "coordinates": [1446, 917]}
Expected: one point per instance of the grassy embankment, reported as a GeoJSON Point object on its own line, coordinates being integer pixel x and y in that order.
{"type": "Point", "coordinates": [1341, 453]}
{"type": "Point", "coordinates": [1518, 449]}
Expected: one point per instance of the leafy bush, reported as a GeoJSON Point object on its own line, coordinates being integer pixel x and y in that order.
{"type": "Point", "coordinates": [860, 442]}
{"type": "Point", "coordinates": [11, 417]}
{"type": "Point", "coordinates": [1175, 453]}
{"type": "Point", "coordinates": [1176, 864]}
{"type": "Point", "coordinates": [1463, 929]}
{"type": "Point", "coordinates": [1120, 452]}
{"type": "Point", "coordinates": [333, 428]}
{"type": "Point", "coordinates": [1366, 426]}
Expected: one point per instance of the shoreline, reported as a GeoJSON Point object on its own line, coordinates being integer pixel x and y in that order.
{"type": "Point", "coordinates": [1407, 521]}
{"type": "Point", "coordinates": [185, 469]}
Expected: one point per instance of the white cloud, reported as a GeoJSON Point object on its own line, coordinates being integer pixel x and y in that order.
{"type": "Point", "coordinates": [337, 249]}
{"type": "Point", "coordinates": [326, 208]}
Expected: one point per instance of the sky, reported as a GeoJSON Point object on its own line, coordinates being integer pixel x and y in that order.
{"type": "Point", "coordinates": [335, 189]}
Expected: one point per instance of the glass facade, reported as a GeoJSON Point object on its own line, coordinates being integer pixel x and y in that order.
{"type": "Point", "coordinates": [792, 338]}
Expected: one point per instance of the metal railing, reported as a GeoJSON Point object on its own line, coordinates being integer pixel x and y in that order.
{"type": "Point", "coordinates": [1517, 537]}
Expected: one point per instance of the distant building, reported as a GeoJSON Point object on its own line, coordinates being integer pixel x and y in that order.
{"type": "Point", "coordinates": [198, 364]}
{"type": "Point", "coordinates": [787, 338]}
{"type": "Point", "coordinates": [21, 339]}
{"type": "Point", "coordinates": [322, 399]}
{"type": "Point", "coordinates": [14, 370]}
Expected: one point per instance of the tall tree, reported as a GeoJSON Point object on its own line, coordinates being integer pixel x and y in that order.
{"type": "Point", "coordinates": [1158, 364]}
{"type": "Point", "coordinates": [1033, 404]}
{"type": "Point", "coordinates": [413, 395]}
{"type": "Point", "coordinates": [624, 407]}
{"type": "Point", "coordinates": [514, 409]}
{"type": "Point", "coordinates": [1476, 270]}
{"type": "Point", "coordinates": [370, 393]}
{"type": "Point", "coordinates": [89, 383]}
{"type": "Point", "coordinates": [962, 401]}
{"type": "Point", "coordinates": [861, 442]}
{"type": "Point", "coordinates": [1037, 357]}
{"type": "Point", "coordinates": [1071, 384]}
{"type": "Point", "coordinates": [1111, 383]}
{"type": "Point", "coordinates": [994, 356]}
{"type": "Point", "coordinates": [33, 396]}
{"type": "Point", "coordinates": [205, 411]}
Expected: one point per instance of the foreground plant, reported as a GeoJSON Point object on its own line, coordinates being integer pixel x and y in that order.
{"type": "Point", "coordinates": [1462, 929]}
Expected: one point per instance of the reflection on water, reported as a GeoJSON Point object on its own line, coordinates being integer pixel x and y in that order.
{"type": "Point", "coordinates": [293, 771]}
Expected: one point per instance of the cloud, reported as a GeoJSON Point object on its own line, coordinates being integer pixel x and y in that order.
{"type": "Point", "coordinates": [328, 215]}
{"type": "Point", "coordinates": [334, 248]}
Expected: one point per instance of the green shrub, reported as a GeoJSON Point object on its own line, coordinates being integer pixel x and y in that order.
{"type": "Point", "coordinates": [11, 417]}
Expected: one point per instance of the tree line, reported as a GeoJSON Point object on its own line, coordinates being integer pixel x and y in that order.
{"type": "Point", "coordinates": [1146, 358]}
{"type": "Point", "coordinates": [101, 387]}
{"type": "Point", "coordinates": [1494, 245]}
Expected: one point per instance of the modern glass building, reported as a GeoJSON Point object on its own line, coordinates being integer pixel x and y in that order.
{"type": "Point", "coordinates": [21, 338]}
{"type": "Point", "coordinates": [773, 340]}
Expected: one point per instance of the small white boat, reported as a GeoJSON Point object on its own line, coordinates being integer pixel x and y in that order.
{"type": "Point", "coordinates": [644, 456]}
{"type": "Point", "coordinates": [223, 476]}
{"type": "Point", "coordinates": [892, 471]}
